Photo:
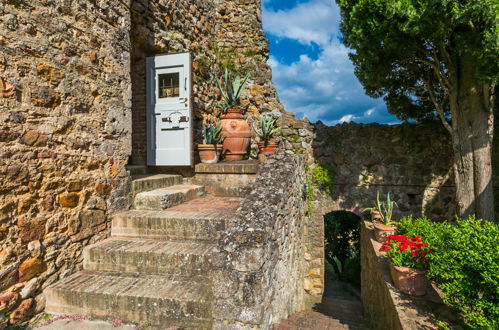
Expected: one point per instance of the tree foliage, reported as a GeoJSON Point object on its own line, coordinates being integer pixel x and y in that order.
{"type": "Point", "coordinates": [405, 49]}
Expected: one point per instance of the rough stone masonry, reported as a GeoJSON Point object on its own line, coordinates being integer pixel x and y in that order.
{"type": "Point", "coordinates": [72, 115]}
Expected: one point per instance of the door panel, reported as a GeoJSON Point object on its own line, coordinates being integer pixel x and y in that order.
{"type": "Point", "coordinates": [169, 111]}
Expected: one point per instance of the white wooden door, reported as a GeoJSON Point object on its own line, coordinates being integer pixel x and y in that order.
{"type": "Point", "coordinates": [169, 110]}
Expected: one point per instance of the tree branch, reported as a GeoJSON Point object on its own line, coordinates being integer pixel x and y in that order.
{"type": "Point", "coordinates": [438, 106]}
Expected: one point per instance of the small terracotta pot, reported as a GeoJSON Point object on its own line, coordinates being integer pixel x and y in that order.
{"type": "Point", "coordinates": [209, 153]}
{"type": "Point", "coordinates": [409, 280]}
{"type": "Point", "coordinates": [381, 231]}
{"type": "Point", "coordinates": [237, 134]}
{"type": "Point", "coordinates": [267, 147]}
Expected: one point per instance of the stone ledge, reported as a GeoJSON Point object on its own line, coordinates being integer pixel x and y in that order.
{"type": "Point", "coordinates": [384, 306]}
{"type": "Point", "coordinates": [239, 167]}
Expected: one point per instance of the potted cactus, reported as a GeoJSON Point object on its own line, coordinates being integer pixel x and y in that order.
{"type": "Point", "coordinates": [382, 213]}
{"type": "Point", "coordinates": [268, 127]}
{"type": "Point", "coordinates": [209, 151]}
{"type": "Point", "coordinates": [235, 129]}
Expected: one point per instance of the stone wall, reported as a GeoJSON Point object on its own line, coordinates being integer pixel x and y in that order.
{"type": "Point", "coordinates": [65, 130]}
{"type": "Point", "coordinates": [411, 161]}
{"type": "Point", "coordinates": [263, 270]}
{"type": "Point", "coordinates": [383, 305]}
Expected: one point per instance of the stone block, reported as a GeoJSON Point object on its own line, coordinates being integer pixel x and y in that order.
{"type": "Point", "coordinates": [225, 283]}
{"type": "Point", "coordinates": [84, 234]}
{"type": "Point", "coordinates": [256, 90]}
{"type": "Point", "coordinates": [32, 229]}
{"type": "Point", "coordinates": [50, 74]}
{"type": "Point", "coordinates": [48, 203]}
{"type": "Point", "coordinates": [44, 96]}
{"type": "Point", "coordinates": [91, 218]}
{"type": "Point", "coordinates": [248, 259]}
{"type": "Point", "coordinates": [8, 135]}
{"type": "Point", "coordinates": [23, 311]}
{"type": "Point", "coordinates": [8, 277]}
{"type": "Point", "coordinates": [9, 301]}
{"type": "Point", "coordinates": [31, 268]}
{"type": "Point", "coordinates": [75, 185]}
{"type": "Point", "coordinates": [69, 200]}
{"type": "Point", "coordinates": [102, 189]}
{"type": "Point", "coordinates": [33, 138]}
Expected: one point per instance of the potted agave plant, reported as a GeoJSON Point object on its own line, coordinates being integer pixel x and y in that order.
{"type": "Point", "coordinates": [235, 129]}
{"type": "Point", "coordinates": [209, 151]}
{"type": "Point", "coordinates": [408, 263]}
{"type": "Point", "coordinates": [381, 215]}
{"type": "Point", "coordinates": [268, 127]}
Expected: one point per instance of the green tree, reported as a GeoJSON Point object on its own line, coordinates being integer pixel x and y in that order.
{"type": "Point", "coordinates": [434, 59]}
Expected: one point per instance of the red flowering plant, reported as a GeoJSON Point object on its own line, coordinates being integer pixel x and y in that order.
{"type": "Point", "coordinates": [407, 251]}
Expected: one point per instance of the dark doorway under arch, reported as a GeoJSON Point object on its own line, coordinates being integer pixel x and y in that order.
{"type": "Point", "coordinates": [342, 254]}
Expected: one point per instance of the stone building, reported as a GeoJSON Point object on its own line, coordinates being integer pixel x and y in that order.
{"type": "Point", "coordinates": [74, 127]}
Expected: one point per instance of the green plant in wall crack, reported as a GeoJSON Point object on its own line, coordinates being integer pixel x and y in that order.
{"type": "Point", "coordinates": [323, 176]}
{"type": "Point", "coordinates": [309, 195]}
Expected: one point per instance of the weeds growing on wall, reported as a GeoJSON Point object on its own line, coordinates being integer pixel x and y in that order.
{"type": "Point", "coordinates": [465, 265]}
{"type": "Point", "coordinates": [342, 240]}
{"type": "Point", "coordinates": [323, 176]}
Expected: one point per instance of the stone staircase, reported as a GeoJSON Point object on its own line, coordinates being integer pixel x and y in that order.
{"type": "Point", "coordinates": [154, 266]}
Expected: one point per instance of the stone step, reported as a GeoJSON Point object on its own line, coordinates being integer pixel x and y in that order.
{"type": "Point", "coordinates": [182, 258]}
{"type": "Point", "coordinates": [166, 225]}
{"type": "Point", "coordinates": [146, 182]}
{"type": "Point", "coordinates": [154, 299]}
{"type": "Point", "coordinates": [163, 198]}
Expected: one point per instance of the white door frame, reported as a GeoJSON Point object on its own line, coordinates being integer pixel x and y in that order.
{"type": "Point", "coordinates": [169, 119]}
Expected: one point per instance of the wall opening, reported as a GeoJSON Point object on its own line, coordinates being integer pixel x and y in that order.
{"type": "Point", "coordinates": [342, 252]}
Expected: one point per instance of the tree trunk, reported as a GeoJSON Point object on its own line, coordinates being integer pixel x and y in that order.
{"type": "Point", "coordinates": [472, 131]}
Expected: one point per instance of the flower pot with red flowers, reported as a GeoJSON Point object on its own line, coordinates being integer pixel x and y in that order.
{"type": "Point", "coordinates": [235, 129]}
{"type": "Point", "coordinates": [408, 263]}
{"type": "Point", "coordinates": [209, 151]}
{"type": "Point", "coordinates": [381, 215]}
{"type": "Point", "coordinates": [268, 127]}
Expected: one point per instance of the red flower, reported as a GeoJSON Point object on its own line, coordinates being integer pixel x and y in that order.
{"type": "Point", "coordinates": [414, 253]}
{"type": "Point", "coordinates": [403, 247]}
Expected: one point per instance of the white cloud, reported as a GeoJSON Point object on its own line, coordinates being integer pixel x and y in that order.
{"type": "Point", "coordinates": [324, 88]}
{"type": "Point", "coordinates": [308, 22]}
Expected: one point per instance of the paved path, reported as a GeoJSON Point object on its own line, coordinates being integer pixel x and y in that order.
{"type": "Point", "coordinates": [340, 309]}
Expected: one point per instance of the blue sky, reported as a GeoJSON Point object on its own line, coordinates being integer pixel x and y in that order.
{"type": "Point", "coordinates": [310, 65]}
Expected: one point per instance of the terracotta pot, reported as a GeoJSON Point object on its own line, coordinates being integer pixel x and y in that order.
{"type": "Point", "coordinates": [267, 147]}
{"type": "Point", "coordinates": [209, 153]}
{"type": "Point", "coordinates": [409, 280]}
{"type": "Point", "coordinates": [381, 231]}
{"type": "Point", "coordinates": [237, 135]}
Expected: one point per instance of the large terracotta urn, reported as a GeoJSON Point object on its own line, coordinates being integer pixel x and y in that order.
{"type": "Point", "coordinates": [237, 135]}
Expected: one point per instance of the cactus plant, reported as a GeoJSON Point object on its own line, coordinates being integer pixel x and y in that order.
{"type": "Point", "coordinates": [212, 134]}
{"type": "Point", "coordinates": [268, 127]}
{"type": "Point", "coordinates": [231, 90]}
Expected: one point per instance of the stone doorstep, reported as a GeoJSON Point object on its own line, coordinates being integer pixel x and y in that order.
{"type": "Point", "coordinates": [173, 225]}
{"type": "Point", "coordinates": [163, 198]}
{"type": "Point", "coordinates": [145, 182]}
{"type": "Point", "coordinates": [185, 258]}
{"type": "Point", "coordinates": [239, 167]}
{"type": "Point", "coordinates": [144, 298]}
